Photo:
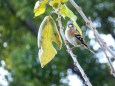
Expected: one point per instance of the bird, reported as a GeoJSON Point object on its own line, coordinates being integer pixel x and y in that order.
{"type": "Point", "coordinates": [74, 37]}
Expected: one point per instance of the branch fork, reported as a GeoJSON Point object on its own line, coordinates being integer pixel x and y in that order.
{"type": "Point", "coordinates": [73, 56]}
{"type": "Point", "coordinates": [101, 42]}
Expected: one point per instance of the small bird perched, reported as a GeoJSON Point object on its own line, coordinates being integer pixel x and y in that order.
{"type": "Point", "coordinates": [74, 37]}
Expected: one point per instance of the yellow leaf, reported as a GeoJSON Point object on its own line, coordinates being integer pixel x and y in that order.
{"type": "Point", "coordinates": [78, 28]}
{"type": "Point", "coordinates": [63, 11]}
{"type": "Point", "coordinates": [48, 32]}
{"type": "Point", "coordinates": [63, 0]}
{"type": "Point", "coordinates": [40, 7]}
{"type": "Point", "coordinates": [55, 3]}
{"type": "Point", "coordinates": [66, 12]}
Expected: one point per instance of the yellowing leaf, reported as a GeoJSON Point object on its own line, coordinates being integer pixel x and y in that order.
{"type": "Point", "coordinates": [40, 7]}
{"type": "Point", "coordinates": [63, 0]}
{"type": "Point", "coordinates": [63, 11]}
{"type": "Point", "coordinates": [66, 12]}
{"type": "Point", "coordinates": [48, 32]}
{"type": "Point", "coordinates": [78, 28]}
{"type": "Point", "coordinates": [55, 3]}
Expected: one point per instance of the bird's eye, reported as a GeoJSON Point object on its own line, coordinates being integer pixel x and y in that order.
{"type": "Point", "coordinates": [71, 24]}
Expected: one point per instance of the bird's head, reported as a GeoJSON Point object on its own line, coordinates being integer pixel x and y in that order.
{"type": "Point", "coordinates": [70, 24]}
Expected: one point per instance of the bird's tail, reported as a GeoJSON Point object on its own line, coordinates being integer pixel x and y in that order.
{"type": "Point", "coordinates": [91, 51]}
{"type": "Point", "coordinates": [79, 37]}
{"type": "Point", "coordinates": [89, 48]}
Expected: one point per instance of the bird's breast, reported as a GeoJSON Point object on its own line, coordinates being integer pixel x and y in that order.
{"type": "Point", "coordinates": [71, 38]}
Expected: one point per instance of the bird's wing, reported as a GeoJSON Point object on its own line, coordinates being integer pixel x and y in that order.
{"type": "Point", "coordinates": [80, 38]}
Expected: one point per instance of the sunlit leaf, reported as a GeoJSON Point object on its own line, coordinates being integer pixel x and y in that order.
{"type": "Point", "coordinates": [48, 32]}
{"type": "Point", "coordinates": [55, 3]}
{"type": "Point", "coordinates": [66, 12]}
{"type": "Point", "coordinates": [40, 7]}
{"type": "Point", "coordinates": [77, 26]}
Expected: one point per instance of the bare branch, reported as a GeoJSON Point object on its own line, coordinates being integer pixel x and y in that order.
{"type": "Point", "coordinates": [97, 36]}
{"type": "Point", "coordinates": [90, 25]}
{"type": "Point", "coordinates": [110, 64]}
{"type": "Point", "coordinates": [87, 82]}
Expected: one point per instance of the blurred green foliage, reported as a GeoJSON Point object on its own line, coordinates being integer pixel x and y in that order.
{"type": "Point", "coordinates": [18, 44]}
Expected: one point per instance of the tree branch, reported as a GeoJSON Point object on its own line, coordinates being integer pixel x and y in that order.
{"type": "Point", "coordinates": [87, 82]}
{"type": "Point", "coordinates": [109, 61]}
{"type": "Point", "coordinates": [97, 36]}
{"type": "Point", "coordinates": [30, 26]}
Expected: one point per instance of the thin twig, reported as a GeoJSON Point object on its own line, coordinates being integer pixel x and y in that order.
{"type": "Point", "coordinates": [87, 82]}
{"type": "Point", "coordinates": [104, 43]}
{"type": "Point", "coordinates": [90, 25]}
{"type": "Point", "coordinates": [110, 64]}
{"type": "Point", "coordinates": [97, 36]}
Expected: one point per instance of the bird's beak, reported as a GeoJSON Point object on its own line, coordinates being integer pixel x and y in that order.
{"type": "Point", "coordinates": [70, 26]}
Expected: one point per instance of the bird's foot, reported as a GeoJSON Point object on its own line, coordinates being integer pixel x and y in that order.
{"type": "Point", "coordinates": [70, 49]}
{"type": "Point", "coordinates": [66, 41]}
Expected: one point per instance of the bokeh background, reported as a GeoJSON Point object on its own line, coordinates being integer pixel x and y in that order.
{"type": "Point", "coordinates": [19, 63]}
